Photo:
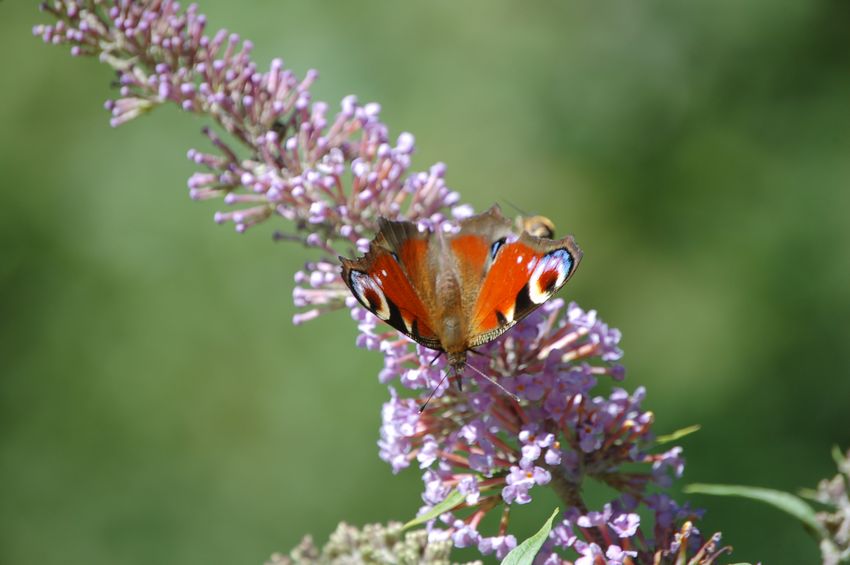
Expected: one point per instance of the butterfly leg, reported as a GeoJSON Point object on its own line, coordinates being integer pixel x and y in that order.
{"type": "Point", "coordinates": [458, 381]}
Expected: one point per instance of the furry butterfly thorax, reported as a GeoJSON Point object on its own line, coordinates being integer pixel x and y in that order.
{"type": "Point", "coordinates": [454, 291]}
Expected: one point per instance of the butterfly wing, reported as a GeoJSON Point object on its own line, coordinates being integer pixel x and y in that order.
{"type": "Point", "coordinates": [517, 276]}
{"type": "Point", "coordinates": [392, 280]}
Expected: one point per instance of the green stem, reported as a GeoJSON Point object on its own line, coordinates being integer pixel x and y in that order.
{"type": "Point", "coordinates": [566, 489]}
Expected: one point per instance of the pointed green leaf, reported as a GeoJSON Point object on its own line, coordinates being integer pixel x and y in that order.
{"type": "Point", "coordinates": [524, 553]}
{"type": "Point", "coordinates": [784, 501]}
{"type": "Point", "coordinates": [453, 499]}
{"type": "Point", "coordinates": [678, 434]}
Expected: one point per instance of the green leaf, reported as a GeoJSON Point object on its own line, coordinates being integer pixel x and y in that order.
{"type": "Point", "coordinates": [453, 499]}
{"type": "Point", "coordinates": [524, 553]}
{"type": "Point", "coordinates": [678, 434]}
{"type": "Point", "coordinates": [784, 501]}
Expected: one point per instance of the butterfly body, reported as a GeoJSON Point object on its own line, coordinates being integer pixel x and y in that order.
{"type": "Point", "coordinates": [454, 291]}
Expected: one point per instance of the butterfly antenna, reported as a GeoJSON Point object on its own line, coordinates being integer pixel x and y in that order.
{"type": "Point", "coordinates": [433, 392]}
{"type": "Point", "coordinates": [495, 382]}
{"type": "Point", "coordinates": [519, 210]}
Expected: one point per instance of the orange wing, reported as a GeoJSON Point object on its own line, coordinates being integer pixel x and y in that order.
{"type": "Point", "coordinates": [522, 276]}
{"type": "Point", "coordinates": [391, 281]}
{"type": "Point", "coordinates": [471, 255]}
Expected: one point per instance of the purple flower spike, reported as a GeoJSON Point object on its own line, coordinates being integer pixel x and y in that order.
{"type": "Point", "coordinates": [330, 173]}
{"type": "Point", "coordinates": [483, 443]}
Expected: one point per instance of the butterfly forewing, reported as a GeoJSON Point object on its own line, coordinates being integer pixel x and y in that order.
{"type": "Point", "coordinates": [522, 276]}
{"type": "Point", "coordinates": [474, 247]}
{"type": "Point", "coordinates": [384, 283]}
{"type": "Point", "coordinates": [471, 256]}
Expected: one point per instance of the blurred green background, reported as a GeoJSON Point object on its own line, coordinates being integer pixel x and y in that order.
{"type": "Point", "coordinates": [157, 406]}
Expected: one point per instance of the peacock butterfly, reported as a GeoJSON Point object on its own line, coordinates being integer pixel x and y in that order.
{"type": "Point", "coordinates": [452, 292]}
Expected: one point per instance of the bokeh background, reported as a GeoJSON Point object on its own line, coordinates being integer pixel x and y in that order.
{"type": "Point", "coordinates": [156, 404]}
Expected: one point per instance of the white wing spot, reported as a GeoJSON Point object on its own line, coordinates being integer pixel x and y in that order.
{"type": "Point", "coordinates": [383, 272]}
{"type": "Point", "coordinates": [556, 262]}
{"type": "Point", "coordinates": [509, 313]}
{"type": "Point", "coordinates": [519, 260]}
{"type": "Point", "coordinates": [362, 284]}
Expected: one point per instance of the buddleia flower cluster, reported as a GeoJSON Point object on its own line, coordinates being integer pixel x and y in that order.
{"type": "Point", "coordinates": [275, 153]}
{"type": "Point", "coordinates": [497, 450]}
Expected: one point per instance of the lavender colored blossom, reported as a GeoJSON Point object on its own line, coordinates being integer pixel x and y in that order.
{"type": "Point", "coordinates": [507, 449]}
{"type": "Point", "coordinates": [465, 535]}
{"type": "Point", "coordinates": [330, 175]}
{"type": "Point", "coordinates": [589, 554]}
{"type": "Point", "coordinates": [519, 481]}
{"type": "Point", "coordinates": [617, 555]}
{"type": "Point", "coordinates": [498, 545]}
{"type": "Point", "coordinates": [625, 525]}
